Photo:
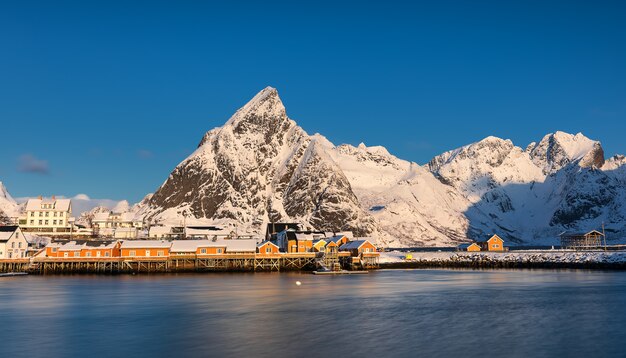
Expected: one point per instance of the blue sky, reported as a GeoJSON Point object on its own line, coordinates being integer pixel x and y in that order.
{"type": "Point", "coordinates": [105, 99]}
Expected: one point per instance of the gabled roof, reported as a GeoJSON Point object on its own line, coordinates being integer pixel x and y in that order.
{"type": "Point", "coordinates": [352, 245]}
{"type": "Point", "coordinates": [72, 246]}
{"type": "Point", "coordinates": [59, 204]}
{"type": "Point", "coordinates": [572, 233]}
{"type": "Point", "coordinates": [489, 239]}
{"type": "Point", "coordinates": [261, 244]}
{"type": "Point", "coordinates": [5, 235]}
{"type": "Point", "coordinates": [188, 245]}
{"type": "Point", "coordinates": [336, 238]}
{"type": "Point", "coordinates": [6, 232]}
{"type": "Point", "coordinates": [304, 236]}
{"type": "Point", "coordinates": [238, 245]}
{"type": "Point", "coordinates": [101, 216]}
{"type": "Point", "coordinates": [466, 245]}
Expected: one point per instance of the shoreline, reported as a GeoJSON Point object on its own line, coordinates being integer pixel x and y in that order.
{"type": "Point", "coordinates": [502, 265]}
{"type": "Point", "coordinates": [596, 260]}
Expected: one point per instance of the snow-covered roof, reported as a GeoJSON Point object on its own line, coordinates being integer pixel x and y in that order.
{"type": "Point", "coordinates": [57, 204]}
{"type": "Point", "coordinates": [336, 238]}
{"type": "Point", "coordinates": [193, 245]}
{"type": "Point", "coordinates": [494, 237]}
{"type": "Point", "coordinates": [568, 233]}
{"type": "Point", "coordinates": [5, 235]}
{"type": "Point", "coordinates": [72, 246]}
{"type": "Point", "coordinates": [100, 216]}
{"type": "Point", "coordinates": [187, 245]}
{"type": "Point", "coordinates": [100, 244]}
{"type": "Point", "coordinates": [7, 231]}
{"type": "Point", "coordinates": [347, 234]}
{"type": "Point", "coordinates": [140, 244]}
{"type": "Point", "coordinates": [238, 245]}
{"type": "Point", "coordinates": [304, 237]}
{"type": "Point", "coordinates": [351, 245]}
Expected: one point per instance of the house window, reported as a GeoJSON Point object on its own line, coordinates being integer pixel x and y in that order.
{"type": "Point", "coordinates": [40, 214]}
{"type": "Point", "coordinates": [131, 253]}
{"type": "Point", "coordinates": [46, 222]}
{"type": "Point", "coordinates": [268, 250]}
{"type": "Point", "coordinates": [147, 252]}
{"type": "Point", "coordinates": [219, 251]}
{"type": "Point", "coordinates": [32, 222]}
{"type": "Point", "coordinates": [55, 214]}
{"type": "Point", "coordinates": [203, 251]}
{"type": "Point", "coordinates": [19, 245]}
{"type": "Point", "coordinates": [107, 254]}
{"type": "Point", "coordinates": [76, 253]}
{"type": "Point", "coordinates": [40, 222]}
{"type": "Point", "coordinates": [88, 254]}
{"type": "Point", "coordinates": [65, 254]}
{"type": "Point", "coordinates": [160, 253]}
{"type": "Point", "coordinates": [54, 249]}
{"type": "Point", "coordinates": [12, 245]}
{"type": "Point", "coordinates": [54, 222]}
{"type": "Point", "coordinates": [47, 213]}
{"type": "Point", "coordinates": [32, 213]}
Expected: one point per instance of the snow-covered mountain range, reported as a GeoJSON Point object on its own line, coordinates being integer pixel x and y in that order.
{"type": "Point", "coordinates": [261, 167]}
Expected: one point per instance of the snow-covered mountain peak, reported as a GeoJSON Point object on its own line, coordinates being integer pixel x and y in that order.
{"type": "Point", "coordinates": [4, 193]}
{"type": "Point", "coordinates": [558, 149]}
{"type": "Point", "coordinates": [265, 105]}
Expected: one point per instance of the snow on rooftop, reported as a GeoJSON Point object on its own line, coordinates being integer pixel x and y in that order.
{"type": "Point", "coordinates": [135, 244]}
{"type": "Point", "coordinates": [58, 204]}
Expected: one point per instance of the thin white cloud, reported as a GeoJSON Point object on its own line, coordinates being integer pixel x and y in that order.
{"type": "Point", "coordinates": [144, 154]}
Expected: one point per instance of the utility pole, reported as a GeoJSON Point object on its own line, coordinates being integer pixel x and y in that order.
{"type": "Point", "coordinates": [604, 236]}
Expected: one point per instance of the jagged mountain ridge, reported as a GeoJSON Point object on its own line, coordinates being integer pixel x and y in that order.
{"type": "Point", "coordinates": [262, 167]}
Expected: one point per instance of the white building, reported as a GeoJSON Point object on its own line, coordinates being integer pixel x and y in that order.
{"type": "Point", "coordinates": [13, 244]}
{"type": "Point", "coordinates": [126, 233]}
{"type": "Point", "coordinates": [50, 216]}
{"type": "Point", "coordinates": [113, 220]}
{"type": "Point", "coordinates": [118, 225]}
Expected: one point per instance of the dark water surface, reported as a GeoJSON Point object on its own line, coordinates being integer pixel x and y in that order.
{"type": "Point", "coordinates": [410, 313]}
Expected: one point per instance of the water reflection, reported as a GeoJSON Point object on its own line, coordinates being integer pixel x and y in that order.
{"type": "Point", "coordinates": [387, 313]}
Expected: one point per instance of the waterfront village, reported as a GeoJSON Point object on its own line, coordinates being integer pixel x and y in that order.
{"type": "Point", "coordinates": [47, 239]}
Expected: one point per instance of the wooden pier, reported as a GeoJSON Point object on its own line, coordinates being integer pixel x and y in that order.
{"type": "Point", "coordinates": [192, 263]}
{"type": "Point", "coordinates": [14, 265]}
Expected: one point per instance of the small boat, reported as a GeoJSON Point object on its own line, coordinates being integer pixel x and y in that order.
{"type": "Point", "coordinates": [11, 274]}
{"type": "Point", "coordinates": [341, 272]}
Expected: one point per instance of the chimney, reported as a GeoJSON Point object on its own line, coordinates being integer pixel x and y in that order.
{"type": "Point", "coordinates": [54, 197]}
{"type": "Point", "coordinates": [40, 197]}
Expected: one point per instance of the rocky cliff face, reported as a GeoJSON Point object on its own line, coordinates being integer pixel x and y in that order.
{"type": "Point", "coordinates": [262, 167]}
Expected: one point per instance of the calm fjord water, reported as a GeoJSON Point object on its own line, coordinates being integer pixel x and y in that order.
{"type": "Point", "coordinates": [387, 313]}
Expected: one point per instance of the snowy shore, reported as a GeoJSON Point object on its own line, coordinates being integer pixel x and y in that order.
{"type": "Point", "coordinates": [517, 259]}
